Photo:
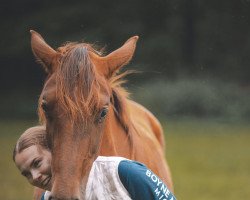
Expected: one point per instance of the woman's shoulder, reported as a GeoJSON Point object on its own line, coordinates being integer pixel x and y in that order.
{"type": "Point", "coordinates": [141, 182]}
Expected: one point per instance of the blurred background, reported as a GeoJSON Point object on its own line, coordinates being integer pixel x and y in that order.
{"type": "Point", "coordinates": [193, 59]}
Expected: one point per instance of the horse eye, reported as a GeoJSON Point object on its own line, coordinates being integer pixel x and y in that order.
{"type": "Point", "coordinates": [103, 114]}
{"type": "Point", "coordinates": [44, 106]}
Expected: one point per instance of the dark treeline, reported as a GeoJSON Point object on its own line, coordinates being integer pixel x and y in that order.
{"type": "Point", "coordinates": [178, 38]}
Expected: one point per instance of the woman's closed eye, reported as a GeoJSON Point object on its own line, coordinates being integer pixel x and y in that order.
{"type": "Point", "coordinates": [36, 163]}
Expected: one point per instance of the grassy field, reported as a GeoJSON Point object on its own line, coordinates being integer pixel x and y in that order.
{"type": "Point", "coordinates": [13, 185]}
{"type": "Point", "coordinates": [208, 160]}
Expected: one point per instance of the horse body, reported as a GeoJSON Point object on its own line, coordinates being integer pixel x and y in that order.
{"type": "Point", "coordinates": [88, 114]}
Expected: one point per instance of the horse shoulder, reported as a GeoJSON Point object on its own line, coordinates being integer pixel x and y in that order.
{"type": "Point", "coordinates": [144, 117]}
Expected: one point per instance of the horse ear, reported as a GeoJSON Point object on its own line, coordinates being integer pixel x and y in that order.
{"type": "Point", "coordinates": [42, 51]}
{"type": "Point", "coordinates": [118, 58]}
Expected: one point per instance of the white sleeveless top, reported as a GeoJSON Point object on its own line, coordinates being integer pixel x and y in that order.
{"type": "Point", "coordinates": [104, 182]}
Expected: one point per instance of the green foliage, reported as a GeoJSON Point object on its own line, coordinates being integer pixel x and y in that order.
{"type": "Point", "coordinates": [197, 98]}
{"type": "Point", "coordinates": [206, 98]}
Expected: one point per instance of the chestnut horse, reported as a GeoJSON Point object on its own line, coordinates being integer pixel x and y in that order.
{"type": "Point", "coordinates": [87, 113]}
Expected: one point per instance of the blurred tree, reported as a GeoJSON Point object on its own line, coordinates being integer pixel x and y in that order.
{"type": "Point", "coordinates": [189, 12]}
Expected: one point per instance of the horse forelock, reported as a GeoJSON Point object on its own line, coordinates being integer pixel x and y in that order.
{"type": "Point", "coordinates": [77, 82]}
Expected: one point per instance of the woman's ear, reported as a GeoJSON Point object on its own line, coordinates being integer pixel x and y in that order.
{"type": "Point", "coordinates": [42, 51]}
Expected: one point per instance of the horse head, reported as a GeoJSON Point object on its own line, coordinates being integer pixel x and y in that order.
{"type": "Point", "coordinates": [76, 104]}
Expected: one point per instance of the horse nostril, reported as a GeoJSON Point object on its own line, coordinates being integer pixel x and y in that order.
{"type": "Point", "coordinates": [50, 198]}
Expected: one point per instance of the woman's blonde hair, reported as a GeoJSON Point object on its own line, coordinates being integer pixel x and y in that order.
{"type": "Point", "coordinates": [33, 136]}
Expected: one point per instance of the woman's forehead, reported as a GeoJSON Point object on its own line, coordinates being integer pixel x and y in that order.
{"type": "Point", "coordinates": [24, 158]}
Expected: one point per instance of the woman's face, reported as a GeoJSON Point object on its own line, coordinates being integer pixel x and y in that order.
{"type": "Point", "coordinates": [34, 163]}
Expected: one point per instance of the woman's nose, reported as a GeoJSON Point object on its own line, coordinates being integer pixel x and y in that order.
{"type": "Point", "coordinates": [36, 175]}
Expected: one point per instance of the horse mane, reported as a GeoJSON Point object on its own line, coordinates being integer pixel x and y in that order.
{"type": "Point", "coordinates": [75, 70]}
